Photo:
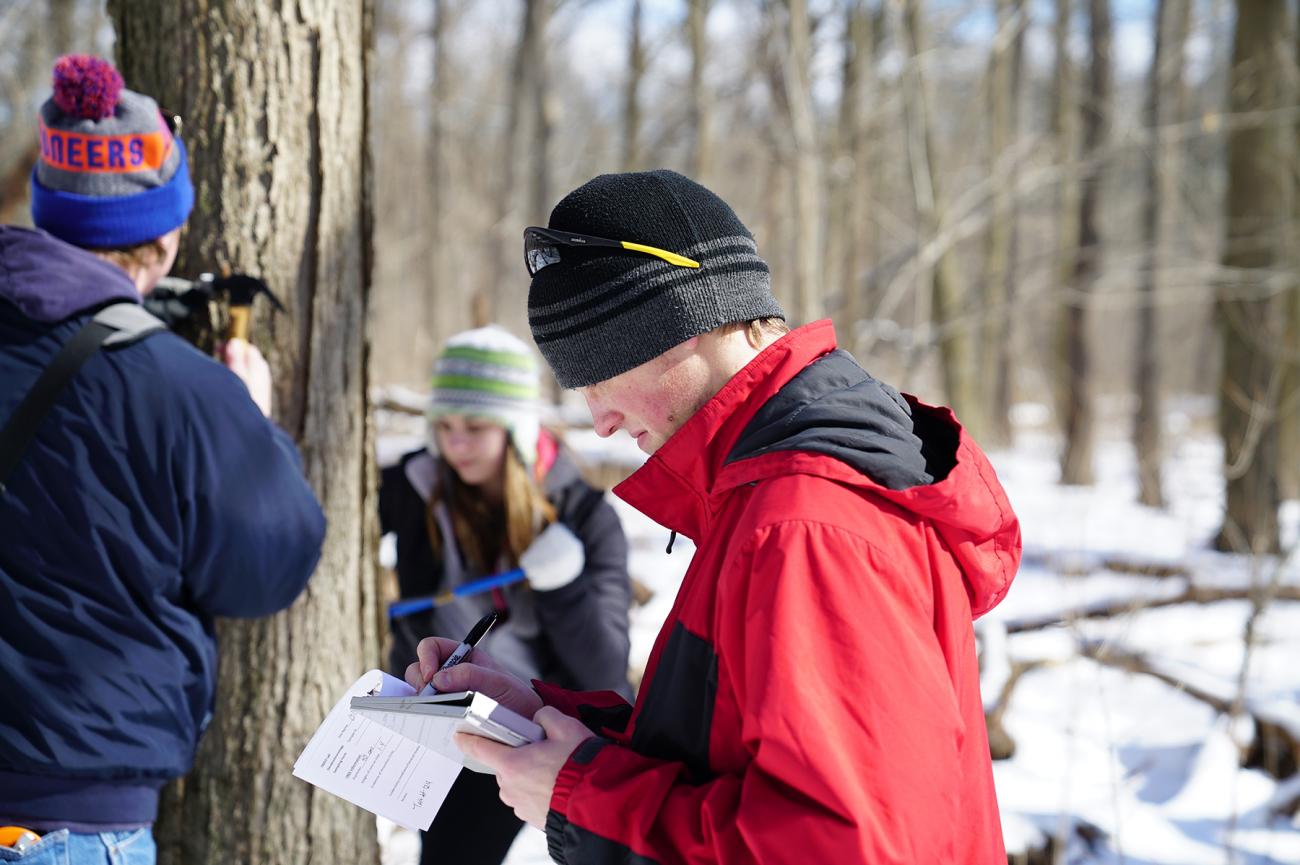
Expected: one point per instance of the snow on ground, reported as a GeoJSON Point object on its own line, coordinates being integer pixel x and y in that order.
{"type": "Point", "coordinates": [1151, 773]}
{"type": "Point", "coordinates": [1116, 766]}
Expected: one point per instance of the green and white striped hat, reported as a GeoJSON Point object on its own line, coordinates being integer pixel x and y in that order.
{"type": "Point", "coordinates": [490, 373]}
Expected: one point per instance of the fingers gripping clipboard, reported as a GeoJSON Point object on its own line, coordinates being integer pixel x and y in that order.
{"type": "Point", "coordinates": [433, 721]}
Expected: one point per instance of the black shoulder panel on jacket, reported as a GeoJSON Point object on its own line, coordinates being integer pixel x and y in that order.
{"type": "Point", "coordinates": [834, 407]}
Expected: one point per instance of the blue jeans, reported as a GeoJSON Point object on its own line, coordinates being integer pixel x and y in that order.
{"type": "Point", "coordinates": [134, 847]}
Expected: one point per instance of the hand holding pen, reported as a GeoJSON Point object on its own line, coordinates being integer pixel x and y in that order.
{"type": "Point", "coordinates": [466, 646]}
{"type": "Point", "coordinates": [482, 674]}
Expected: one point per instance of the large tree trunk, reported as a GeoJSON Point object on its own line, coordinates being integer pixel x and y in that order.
{"type": "Point", "coordinates": [797, 69]}
{"type": "Point", "coordinates": [276, 112]}
{"type": "Point", "coordinates": [949, 312]}
{"type": "Point", "coordinates": [1171, 23]}
{"type": "Point", "coordinates": [999, 270]}
{"type": "Point", "coordinates": [697, 14]}
{"type": "Point", "coordinates": [1076, 460]}
{"type": "Point", "coordinates": [1261, 180]}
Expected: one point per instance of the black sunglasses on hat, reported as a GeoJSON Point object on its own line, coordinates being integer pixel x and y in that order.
{"type": "Point", "coordinates": [542, 248]}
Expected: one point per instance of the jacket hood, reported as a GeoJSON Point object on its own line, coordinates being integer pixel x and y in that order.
{"type": "Point", "coordinates": [49, 280]}
{"type": "Point", "coordinates": [801, 401]}
{"type": "Point", "coordinates": [834, 407]}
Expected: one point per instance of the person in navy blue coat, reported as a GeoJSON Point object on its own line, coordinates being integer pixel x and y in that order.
{"type": "Point", "coordinates": [155, 496]}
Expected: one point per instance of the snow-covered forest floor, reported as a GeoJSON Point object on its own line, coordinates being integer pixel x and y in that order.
{"type": "Point", "coordinates": [1122, 752]}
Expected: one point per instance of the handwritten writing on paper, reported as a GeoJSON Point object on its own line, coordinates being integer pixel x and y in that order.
{"type": "Point", "coordinates": [370, 765]}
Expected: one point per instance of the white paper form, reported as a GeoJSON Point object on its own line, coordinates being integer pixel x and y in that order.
{"type": "Point", "coordinates": [369, 765]}
{"type": "Point", "coordinates": [431, 732]}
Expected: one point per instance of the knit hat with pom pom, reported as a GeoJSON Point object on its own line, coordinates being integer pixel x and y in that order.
{"type": "Point", "coordinates": [111, 171]}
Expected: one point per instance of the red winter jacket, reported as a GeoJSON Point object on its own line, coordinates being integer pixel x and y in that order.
{"type": "Point", "coordinates": [813, 696]}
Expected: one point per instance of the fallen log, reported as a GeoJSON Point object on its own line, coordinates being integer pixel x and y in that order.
{"type": "Point", "coordinates": [1275, 746]}
{"type": "Point", "coordinates": [1127, 606]}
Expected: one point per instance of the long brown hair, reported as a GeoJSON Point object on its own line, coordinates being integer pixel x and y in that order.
{"type": "Point", "coordinates": [487, 531]}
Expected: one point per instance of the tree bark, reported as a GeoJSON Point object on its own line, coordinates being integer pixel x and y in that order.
{"type": "Point", "coordinates": [38, 36]}
{"type": "Point", "coordinates": [276, 114]}
{"type": "Point", "coordinates": [1170, 28]}
{"type": "Point", "coordinates": [1076, 460]}
{"type": "Point", "coordinates": [1259, 209]}
{"type": "Point", "coordinates": [949, 312]}
{"type": "Point", "coordinates": [848, 238]}
{"type": "Point", "coordinates": [999, 276]}
{"type": "Point", "coordinates": [545, 115]}
{"type": "Point", "coordinates": [439, 247]}
{"type": "Point", "coordinates": [1065, 135]}
{"type": "Point", "coordinates": [697, 14]}
{"type": "Point", "coordinates": [631, 105]}
{"type": "Point", "coordinates": [797, 73]}
{"type": "Point", "coordinates": [1290, 429]}
{"type": "Point", "coordinates": [64, 37]}
{"type": "Point", "coordinates": [484, 303]}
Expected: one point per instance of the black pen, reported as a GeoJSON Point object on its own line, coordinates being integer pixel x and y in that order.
{"type": "Point", "coordinates": [475, 634]}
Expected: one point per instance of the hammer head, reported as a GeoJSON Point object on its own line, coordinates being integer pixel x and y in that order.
{"type": "Point", "coordinates": [241, 288]}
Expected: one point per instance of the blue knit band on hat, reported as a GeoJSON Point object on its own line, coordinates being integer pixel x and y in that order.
{"type": "Point", "coordinates": [98, 222]}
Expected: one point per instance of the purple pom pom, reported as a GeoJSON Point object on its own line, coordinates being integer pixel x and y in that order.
{"type": "Point", "coordinates": [86, 86]}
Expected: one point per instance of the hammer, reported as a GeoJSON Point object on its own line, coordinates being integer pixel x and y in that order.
{"type": "Point", "coordinates": [241, 288]}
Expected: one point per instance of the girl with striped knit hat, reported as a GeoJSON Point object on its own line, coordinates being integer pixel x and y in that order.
{"type": "Point", "coordinates": [493, 491]}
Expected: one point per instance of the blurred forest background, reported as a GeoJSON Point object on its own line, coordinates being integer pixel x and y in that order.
{"type": "Point", "coordinates": [1080, 215]}
{"type": "Point", "coordinates": [1084, 204]}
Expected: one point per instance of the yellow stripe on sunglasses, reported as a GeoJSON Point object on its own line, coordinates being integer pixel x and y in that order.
{"type": "Point", "coordinates": [670, 257]}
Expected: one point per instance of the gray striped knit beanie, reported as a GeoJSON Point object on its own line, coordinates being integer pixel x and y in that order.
{"type": "Point", "coordinates": [596, 312]}
{"type": "Point", "coordinates": [490, 373]}
{"type": "Point", "coordinates": [111, 173]}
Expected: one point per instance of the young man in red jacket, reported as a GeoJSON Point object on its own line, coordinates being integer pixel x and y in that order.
{"type": "Point", "coordinates": [813, 696]}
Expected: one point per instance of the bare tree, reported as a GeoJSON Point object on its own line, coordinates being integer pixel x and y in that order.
{"type": "Point", "coordinates": [999, 266]}
{"type": "Point", "coordinates": [697, 14]}
{"type": "Point", "coordinates": [486, 299]}
{"type": "Point", "coordinates": [1065, 124]}
{"type": "Point", "coordinates": [62, 27]}
{"type": "Point", "coordinates": [635, 72]}
{"type": "Point", "coordinates": [440, 179]}
{"type": "Point", "coordinates": [849, 244]}
{"type": "Point", "coordinates": [954, 338]}
{"type": "Point", "coordinates": [1076, 460]}
{"type": "Point", "coordinates": [1169, 29]}
{"type": "Point", "coordinates": [37, 36]}
{"type": "Point", "coordinates": [1259, 210]}
{"type": "Point", "coordinates": [797, 78]}
{"type": "Point", "coordinates": [545, 111]}
{"type": "Point", "coordinates": [1290, 430]}
{"type": "Point", "coordinates": [276, 107]}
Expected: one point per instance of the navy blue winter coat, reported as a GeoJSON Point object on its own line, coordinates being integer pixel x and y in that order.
{"type": "Point", "coordinates": [154, 498]}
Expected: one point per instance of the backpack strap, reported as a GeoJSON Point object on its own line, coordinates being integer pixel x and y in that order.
{"type": "Point", "coordinates": [113, 326]}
